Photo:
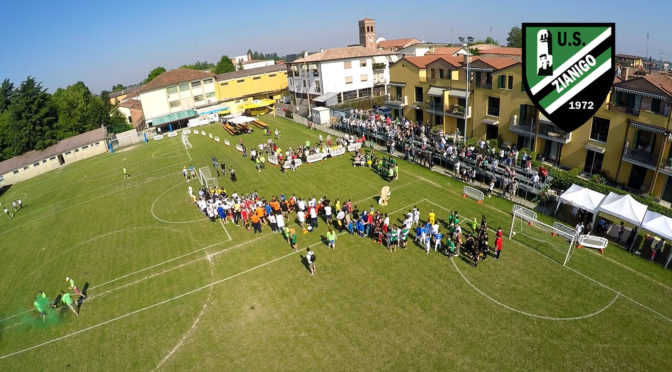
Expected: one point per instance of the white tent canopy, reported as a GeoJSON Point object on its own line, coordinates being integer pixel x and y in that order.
{"type": "Point", "coordinates": [240, 120]}
{"type": "Point", "coordinates": [581, 197]}
{"type": "Point", "coordinates": [658, 224]}
{"type": "Point", "coordinates": [624, 207]}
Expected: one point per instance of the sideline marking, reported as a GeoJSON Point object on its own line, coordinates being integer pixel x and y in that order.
{"type": "Point", "coordinates": [165, 221]}
{"type": "Point", "coordinates": [530, 314]}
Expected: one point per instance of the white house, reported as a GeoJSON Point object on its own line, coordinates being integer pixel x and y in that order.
{"type": "Point", "coordinates": [342, 73]}
{"type": "Point", "coordinates": [173, 97]}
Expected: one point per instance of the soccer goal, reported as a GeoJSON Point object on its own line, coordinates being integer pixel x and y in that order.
{"type": "Point", "coordinates": [185, 141]}
{"type": "Point", "coordinates": [473, 193]}
{"type": "Point", "coordinates": [206, 178]}
{"type": "Point", "coordinates": [554, 241]}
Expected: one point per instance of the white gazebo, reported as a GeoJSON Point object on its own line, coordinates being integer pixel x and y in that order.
{"type": "Point", "coordinates": [659, 225]}
{"type": "Point", "coordinates": [581, 197]}
{"type": "Point", "coordinates": [623, 207]}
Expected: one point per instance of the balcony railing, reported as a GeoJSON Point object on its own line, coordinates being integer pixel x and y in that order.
{"type": "Point", "coordinates": [628, 110]}
{"type": "Point", "coordinates": [639, 157]}
{"type": "Point", "coordinates": [457, 111]}
{"type": "Point", "coordinates": [434, 108]}
{"type": "Point", "coordinates": [523, 127]}
{"type": "Point", "coordinates": [551, 132]}
{"type": "Point", "coordinates": [399, 101]}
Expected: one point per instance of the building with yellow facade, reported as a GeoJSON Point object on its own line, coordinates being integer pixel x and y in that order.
{"type": "Point", "coordinates": [627, 141]}
{"type": "Point", "coordinates": [236, 90]}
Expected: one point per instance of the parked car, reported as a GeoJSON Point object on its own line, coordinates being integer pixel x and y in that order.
{"type": "Point", "coordinates": [384, 110]}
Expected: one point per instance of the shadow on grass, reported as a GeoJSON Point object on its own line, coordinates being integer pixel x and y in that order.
{"type": "Point", "coordinates": [304, 261]}
{"type": "Point", "coordinates": [4, 189]}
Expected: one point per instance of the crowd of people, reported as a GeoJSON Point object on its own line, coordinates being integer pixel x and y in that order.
{"type": "Point", "coordinates": [254, 212]}
{"type": "Point", "coordinates": [420, 144]}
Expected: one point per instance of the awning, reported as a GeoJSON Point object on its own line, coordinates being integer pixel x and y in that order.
{"type": "Point", "coordinates": [596, 148]}
{"type": "Point", "coordinates": [212, 109]}
{"type": "Point", "coordinates": [325, 97]}
{"type": "Point", "coordinates": [490, 121]}
{"type": "Point", "coordinates": [392, 83]}
{"type": "Point", "coordinates": [434, 91]}
{"type": "Point", "coordinates": [175, 116]}
{"type": "Point", "coordinates": [640, 93]}
{"type": "Point", "coordinates": [379, 59]}
{"type": "Point", "coordinates": [647, 128]}
{"type": "Point", "coordinates": [458, 93]}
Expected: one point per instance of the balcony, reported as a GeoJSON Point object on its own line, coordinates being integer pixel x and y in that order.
{"type": "Point", "coordinates": [628, 110]}
{"type": "Point", "coordinates": [639, 157]}
{"type": "Point", "coordinates": [399, 101]}
{"type": "Point", "coordinates": [457, 111]}
{"type": "Point", "coordinates": [435, 109]}
{"type": "Point", "coordinates": [550, 131]}
{"type": "Point", "coordinates": [378, 78]}
{"type": "Point", "coordinates": [523, 127]}
{"type": "Point", "coordinates": [667, 167]}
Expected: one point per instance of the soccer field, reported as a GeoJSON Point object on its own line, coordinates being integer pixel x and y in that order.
{"type": "Point", "coordinates": [168, 289]}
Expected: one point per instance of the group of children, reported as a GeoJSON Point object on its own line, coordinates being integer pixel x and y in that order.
{"type": "Point", "coordinates": [42, 302]}
{"type": "Point", "coordinates": [17, 204]}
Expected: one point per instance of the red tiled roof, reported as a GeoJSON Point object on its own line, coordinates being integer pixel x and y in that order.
{"type": "Point", "coordinates": [172, 77]}
{"type": "Point", "coordinates": [628, 56]}
{"type": "Point", "coordinates": [503, 50]}
{"type": "Point", "coordinates": [421, 62]}
{"type": "Point", "coordinates": [60, 147]}
{"type": "Point", "coordinates": [497, 63]}
{"type": "Point", "coordinates": [133, 104]}
{"type": "Point", "coordinates": [343, 53]}
{"type": "Point", "coordinates": [397, 43]}
{"type": "Point", "coordinates": [661, 81]}
{"type": "Point", "coordinates": [444, 50]}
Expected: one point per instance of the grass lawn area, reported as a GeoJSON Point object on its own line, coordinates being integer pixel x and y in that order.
{"type": "Point", "coordinates": [170, 289]}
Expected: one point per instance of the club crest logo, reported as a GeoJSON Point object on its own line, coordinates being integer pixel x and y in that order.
{"type": "Point", "coordinates": [568, 69]}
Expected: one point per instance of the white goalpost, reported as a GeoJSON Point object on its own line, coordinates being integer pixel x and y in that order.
{"type": "Point", "coordinates": [473, 193]}
{"type": "Point", "coordinates": [185, 141]}
{"type": "Point", "coordinates": [526, 219]}
{"type": "Point", "coordinates": [206, 178]}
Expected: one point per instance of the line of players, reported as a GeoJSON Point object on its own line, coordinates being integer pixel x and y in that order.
{"type": "Point", "coordinates": [17, 204]}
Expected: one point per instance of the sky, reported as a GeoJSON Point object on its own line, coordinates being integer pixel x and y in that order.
{"type": "Point", "coordinates": [104, 43]}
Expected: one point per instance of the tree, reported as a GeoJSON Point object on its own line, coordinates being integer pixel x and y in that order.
{"type": "Point", "coordinates": [154, 73]}
{"type": "Point", "coordinates": [515, 38]}
{"type": "Point", "coordinates": [224, 65]}
{"type": "Point", "coordinates": [198, 65]}
{"type": "Point", "coordinates": [31, 116]}
{"type": "Point", "coordinates": [6, 90]}
{"type": "Point", "coordinates": [118, 87]}
{"type": "Point", "coordinates": [78, 110]}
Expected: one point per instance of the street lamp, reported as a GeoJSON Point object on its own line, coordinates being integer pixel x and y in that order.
{"type": "Point", "coordinates": [466, 54]}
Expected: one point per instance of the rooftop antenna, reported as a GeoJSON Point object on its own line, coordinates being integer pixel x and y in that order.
{"type": "Point", "coordinates": [491, 40]}
{"type": "Point", "coordinates": [647, 44]}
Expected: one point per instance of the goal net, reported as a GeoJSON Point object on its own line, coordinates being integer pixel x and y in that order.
{"type": "Point", "coordinates": [185, 141]}
{"type": "Point", "coordinates": [554, 241]}
{"type": "Point", "coordinates": [206, 178]}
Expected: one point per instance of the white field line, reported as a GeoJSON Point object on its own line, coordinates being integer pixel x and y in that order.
{"type": "Point", "coordinates": [165, 221]}
{"type": "Point", "coordinates": [195, 290]}
{"type": "Point", "coordinates": [531, 314]}
{"type": "Point", "coordinates": [195, 323]}
{"type": "Point", "coordinates": [82, 203]}
{"type": "Point", "coordinates": [589, 278]}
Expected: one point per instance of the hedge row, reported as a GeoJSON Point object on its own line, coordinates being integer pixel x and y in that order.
{"type": "Point", "coordinates": [562, 180]}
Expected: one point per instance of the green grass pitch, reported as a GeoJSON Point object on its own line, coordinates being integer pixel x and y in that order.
{"type": "Point", "coordinates": [170, 289]}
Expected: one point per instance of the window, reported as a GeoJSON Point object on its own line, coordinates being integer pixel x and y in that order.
{"type": "Point", "coordinates": [85, 147]}
{"type": "Point", "coordinates": [97, 143]}
{"type": "Point", "coordinates": [240, 81]}
{"type": "Point", "coordinates": [256, 78]}
{"type": "Point", "coordinates": [25, 168]}
{"type": "Point", "coordinates": [432, 73]}
{"type": "Point", "coordinates": [67, 153]}
{"type": "Point", "coordinates": [593, 162]}
{"type": "Point", "coordinates": [440, 73]}
{"type": "Point", "coordinates": [362, 63]}
{"type": "Point", "coordinates": [655, 105]}
{"type": "Point", "coordinates": [16, 171]}
{"type": "Point", "coordinates": [600, 129]}
{"type": "Point", "coordinates": [210, 95]}
{"type": "Point", "coordinates": [493, 106]}
{"type": "Point", "coordinates": [207, 81]}
{"type": "Point", "coordinates": [501, 79]}
{"type": "Point", "coordinates": [304, 83]}
{"type": "Point", "coordinates": [478, 79]}
{"type": "Point", "coordinates": [195, 84]}
{"type": "Point", "coordinates": [174, 104]}
{"type": "Point", "coordinates": [36, 164]}
{"type": "Point", "coordinates": [349, 95]}
{"type": "Point", "coordinates": [364, 77]}
{"type": "Point", "coordinates": [348, 79]}
{"type": "Point", "coordinates": [225, 83]}
{"type": "Point", "coordinates": [510, 82]}
{"type": "Point", "coordinates": [347, 64]}
{"type": "Point", "coordinates": [271, 75]}
{"type": "Point", "coordinates": [52, 158]}
{"type": "Point", "coordinates": [317, 86]}
{"type": "Point", "coordinates": [76, 150]}
{"type": "Point", "coordinates": [198, 98]}
{"type": "Point", "coordinates": [172, 90]}
{"type": "Point", "coordinates": [44, 161]}
{"type": "Point", "coordinates": [418, 94]}
{"type": "Point", "coordinates": [488, 80]}
{"type": "Point", "coordinates": [184, 87]}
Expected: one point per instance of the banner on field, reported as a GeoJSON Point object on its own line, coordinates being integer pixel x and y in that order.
{"type": "Point", "coordinates": [239, 147]}
{"type": "Point", "coordinates": [288, 163]}
{"type": "Point", "coordinates": [158, 137]}
{"type": "Point", "coordinates": [354, 146]}
{"type": "Point", "coordinates": [315, 157]}
{"type": "Point", "coordinates": [337, 151]}
{"type": "Point", "coordinates": [273, 159]}
{"type": "Point", "coordinates": [172, 134]}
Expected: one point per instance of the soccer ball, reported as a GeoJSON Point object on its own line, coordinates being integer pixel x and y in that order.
{"type": "Point", "coordinates": [514, 233]}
